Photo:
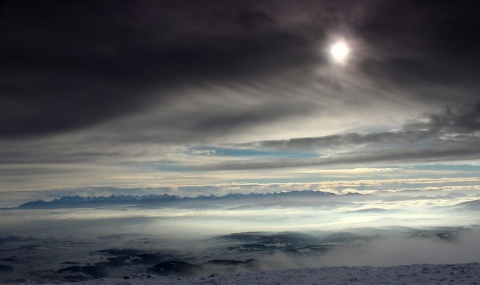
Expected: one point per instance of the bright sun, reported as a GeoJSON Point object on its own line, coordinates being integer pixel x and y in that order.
{"type": "Point", "coordinates": [339, 52]}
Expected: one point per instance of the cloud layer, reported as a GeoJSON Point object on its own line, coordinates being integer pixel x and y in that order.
{"type": "Point", "coordinates": [93, 90]}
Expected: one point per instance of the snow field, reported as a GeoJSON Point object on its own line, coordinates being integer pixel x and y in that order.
{"type": "Point", "coordinates": [404, 274]}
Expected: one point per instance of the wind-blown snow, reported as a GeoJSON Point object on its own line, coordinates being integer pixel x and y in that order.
{"type": "Point", "coordinates": [404, 274]}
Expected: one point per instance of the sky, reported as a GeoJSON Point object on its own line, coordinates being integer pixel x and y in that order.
{"type": "Point", "coordinates": [214, 97]}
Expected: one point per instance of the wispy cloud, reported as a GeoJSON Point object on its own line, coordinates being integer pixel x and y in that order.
{"type": "Point", "coordinates": [199, 92]}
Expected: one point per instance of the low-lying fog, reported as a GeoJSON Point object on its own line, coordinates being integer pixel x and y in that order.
{"type": "Point", "coordinates": [278, 233]}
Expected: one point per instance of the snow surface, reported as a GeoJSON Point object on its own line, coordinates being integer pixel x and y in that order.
{"type": "Point", "coordinates": [404, 274]}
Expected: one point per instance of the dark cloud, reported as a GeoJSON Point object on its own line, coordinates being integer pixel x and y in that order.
{"type": "Point", "coordinates": [458, 126]}
{"type": "Point", "coordinates": [449, 136]}
{"type": "Point", "coordinates": [88, 81]}
{"type": "Point", "coordinates": [70, 65]}
{"type": "Point", "coordinates": [427, 47]}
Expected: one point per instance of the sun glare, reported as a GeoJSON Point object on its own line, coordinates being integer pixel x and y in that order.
{"type": "Point", "coordinates": [339, 52]}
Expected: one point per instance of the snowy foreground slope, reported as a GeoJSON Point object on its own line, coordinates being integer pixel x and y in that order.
{"type": "Point", "coordinates": [404, 274]}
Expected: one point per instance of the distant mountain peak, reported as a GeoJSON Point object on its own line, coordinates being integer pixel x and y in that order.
{"type": "Point", "coordinates": [80, 201]}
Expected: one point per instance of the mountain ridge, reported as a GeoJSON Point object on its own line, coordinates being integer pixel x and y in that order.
{"type": "Point", "coordinates": [72, 201]}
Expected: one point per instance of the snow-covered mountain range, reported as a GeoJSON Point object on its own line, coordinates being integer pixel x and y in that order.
{"type": "Point", "coordinates": [79, 201]}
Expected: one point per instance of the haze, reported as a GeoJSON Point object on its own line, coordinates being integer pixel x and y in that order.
{"type": "Point", "coordinates": [191, 98]}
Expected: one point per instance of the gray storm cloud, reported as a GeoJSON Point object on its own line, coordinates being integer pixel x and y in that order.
{"type": "Point", "coordinates": [110, 65]}
{"type": "Point", "coordinates": [104, 89]}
